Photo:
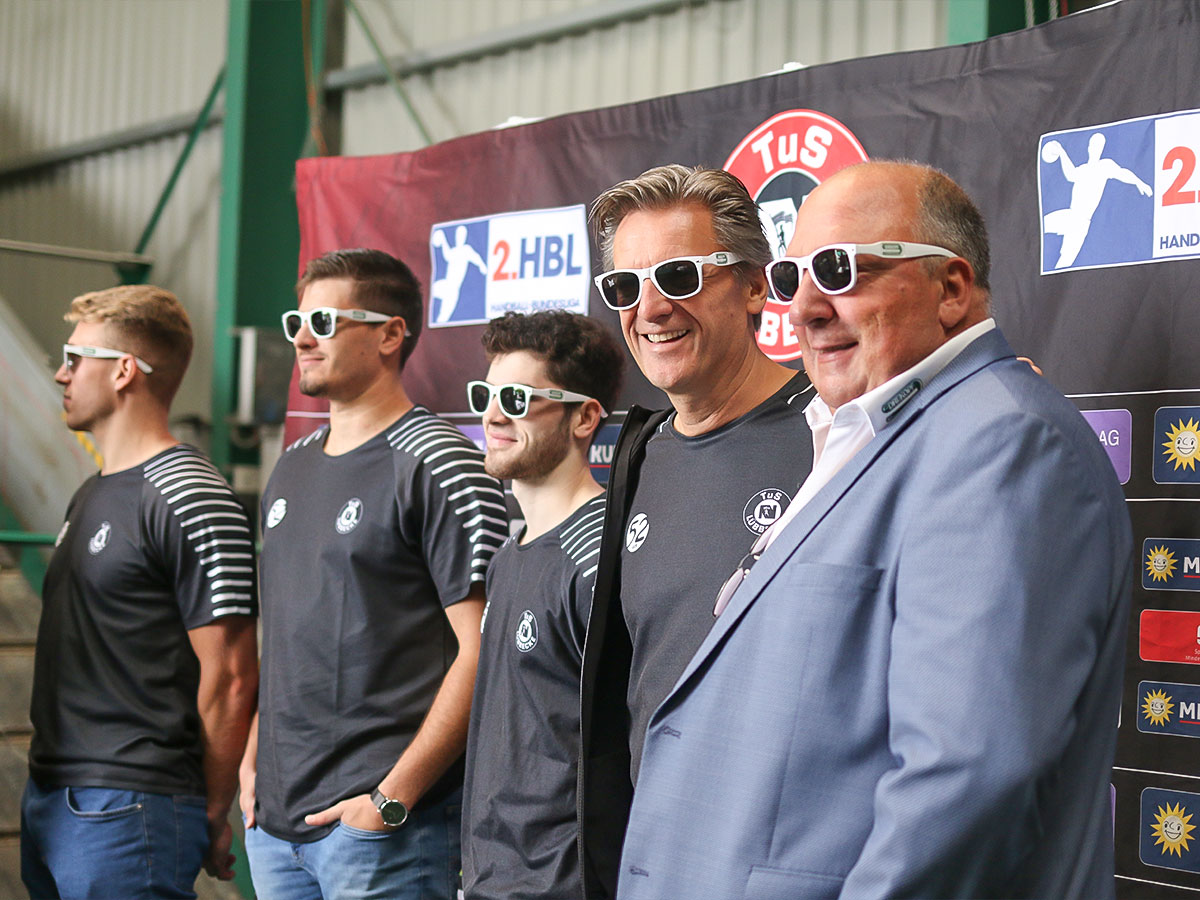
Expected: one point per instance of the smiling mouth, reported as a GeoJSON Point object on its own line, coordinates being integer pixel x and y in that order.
{"type": "Point", "coordinates": [664, 337]}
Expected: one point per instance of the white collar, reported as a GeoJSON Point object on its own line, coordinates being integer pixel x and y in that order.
{"type": "Point", "coordinates": [880, 404]}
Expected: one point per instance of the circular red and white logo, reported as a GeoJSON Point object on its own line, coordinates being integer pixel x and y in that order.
{"type": "Point", "coordinates": [780, 161]}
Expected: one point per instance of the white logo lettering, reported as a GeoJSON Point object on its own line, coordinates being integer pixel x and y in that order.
{"type": "Point", "coordinates": [763, 509]}
{"type": "Point", "coordinates": [527, 632]}
{"type": "Point", "coordinates": [348, 518]}
{"type": "Point", "coordinates": [276, 513]}
{"type": "Point", "coordinates": [635, 534]}
{"type": "Point", "coordinates": [100, 539]}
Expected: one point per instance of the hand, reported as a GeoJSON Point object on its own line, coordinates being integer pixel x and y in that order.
{"type": "Point", "coordinates": [246, 796]}
{"type": "Point", "coordinates": [1144, 189]}
{"type": "Point", "coordinates": [357, 812]}
{"type": "Point", "coordinates": [219, 862]}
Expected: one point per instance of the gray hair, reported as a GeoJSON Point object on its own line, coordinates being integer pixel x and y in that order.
{"type": "Point", "coordinates": [947, 217]}
{"type": "Point", "coordinates": [734, 213]}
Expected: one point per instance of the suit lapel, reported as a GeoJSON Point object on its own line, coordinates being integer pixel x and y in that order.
{"type": "Point", "coordinates": [985, 350]}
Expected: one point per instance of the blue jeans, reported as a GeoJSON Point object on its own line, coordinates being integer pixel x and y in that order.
{"type": "Point", "coordinates": [418, 861]}
{"type": "Point", "coordinates": [86, 843]}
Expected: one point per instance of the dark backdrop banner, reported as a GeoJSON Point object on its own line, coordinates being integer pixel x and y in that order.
{"type": "Point", "coordinates": [1079, 139]}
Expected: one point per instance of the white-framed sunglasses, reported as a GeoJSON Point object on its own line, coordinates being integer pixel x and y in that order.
{"type": "Point", "coordinates": [514, 398]}
{"type": "Point", "coordinates": [833, 268]}
{"type": "Point", "coordinates": [322, 321]}
{"type": "Point", "coordinates": [72, 353]}
{"type": "Point", "coordinates": [676, 279]}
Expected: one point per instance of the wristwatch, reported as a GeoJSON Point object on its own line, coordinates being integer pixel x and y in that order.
{"type": "Point", "coordinates": [393, 812]}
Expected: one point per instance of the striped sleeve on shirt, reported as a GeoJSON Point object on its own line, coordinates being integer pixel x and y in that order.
{"type": "Point", "coordinates": [216, 558]}
{"type": "Point", "coordinates": [581, 539]}
{"type": "Point", "coordinates": [454, 467]}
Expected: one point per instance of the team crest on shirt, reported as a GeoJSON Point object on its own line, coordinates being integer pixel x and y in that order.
{"type": "Point", "coordinates": [636, 533]}
{"type": "Point", "coordinates": [763, 509]}
{"type": "Point", "coordinates": [100, 539]}
{"type": "Point", "coordinates": [347, 519]}
{"type": "Point", "coordinates": [527, 632]}
{"type": "Point", "coordinates": [277, 511]}
{"type": "Point", "coordinates": [62, 532]}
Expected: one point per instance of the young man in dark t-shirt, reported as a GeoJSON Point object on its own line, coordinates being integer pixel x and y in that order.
{"type": "Point", "coordinates": [377, 532]}
{"type": "Point", "coordinates": [553, 377]}
{"type": "Point", "coordinates": [690, 489]}
{"type": "Point", "coordinates": [146, 668]}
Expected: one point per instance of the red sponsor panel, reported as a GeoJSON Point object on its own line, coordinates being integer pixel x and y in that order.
{"type": "Point", "coordinates": [1168, 635]}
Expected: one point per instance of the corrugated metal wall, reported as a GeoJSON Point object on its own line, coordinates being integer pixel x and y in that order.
{"type": "Point", "coordinates": [696, 46]}
{"type": "Point", "coordinates": [76, 69]}
{"type": "Point", "coordinates": [72, 70]}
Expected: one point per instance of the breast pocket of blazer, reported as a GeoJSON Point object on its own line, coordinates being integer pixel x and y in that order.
{"type": "Point", "coordinates": [841, 615]}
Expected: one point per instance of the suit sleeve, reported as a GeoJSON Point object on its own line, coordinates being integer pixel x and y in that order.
{"type": "Point", "coordinates": [1004, 609]}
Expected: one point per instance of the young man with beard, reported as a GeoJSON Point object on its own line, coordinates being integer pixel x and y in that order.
{"type": "Point", "coordinates": [378, 529]}
{"type": "Point", "coordinates": [146, 665]}
{"type": "Point", "coordinates": [552, 380]}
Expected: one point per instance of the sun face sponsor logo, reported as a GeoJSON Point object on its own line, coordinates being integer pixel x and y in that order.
{"type": "Point", "coordinates": [780, 162]}
{"type": "Point", "coordinates": [1176, 444]}
{"type": "Point", "coordinates": [1171, 564]}
{"type": "Point", "coordinates": [512, 262]}
{"type": "Point", "coordinates": [348, 518]}
{"type": "Point", "coordinates": [1167, 831]}
{"type": "Point", "coordinates": [1113, 429]}
{"type": "Point", "coordinates": [763, 509]}
{"type": "Point", "coordinates": [1169, 708]}
{"type": "Point", "coordinates": [1168, 635]}
{"type": "Point", "coordinates": [637, 532]}
{"type": "Point", "coordinates": [276, 513]}
{"type": "Point", "coordinates": [1120, 193]}
{"type": "Point", "coordinates": [527, 632]}
{"type": "Point", "coordinates": [99, 540]}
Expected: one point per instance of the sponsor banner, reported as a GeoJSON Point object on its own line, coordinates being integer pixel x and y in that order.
{"type": "Point", "coordinates": [780, 162]}
{"type": "Point", "coordinates": [1113, 428]}
{"type": "Point", "coordinates": [600, 454]}
{"type": "Point", "coordinates": [1171, 564]}
{"type": "Point", "coordinates": [1168, 829]}
{"type": "Point", "coordinates": [1177, 444]}
{"type": "Point", "coordinates": [1169, 708]}
{"type": "Point", "coordinates": [1167, 635]}
{"type": "Point", "coordinates": [1120, 193]}
{"type": "Point", "coordinates": [513, 262]}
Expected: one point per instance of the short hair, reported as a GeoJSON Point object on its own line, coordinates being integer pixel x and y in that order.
{"type": "Point", "coordinates": [148, 322]}
{"type": "Point", "coordinates": [735, 219]}
{"type": "Point", "coordinates": [948, 217]}
{"type": "Point", "coordinates": [579, 353]}
{"type": "Point", "coordinates": [382, 284]}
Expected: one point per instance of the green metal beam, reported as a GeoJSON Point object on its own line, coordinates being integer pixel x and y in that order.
{"type": "Point", "coordinates": [266, 118]}
{"type": "Point", "coordinates": [976, 20]}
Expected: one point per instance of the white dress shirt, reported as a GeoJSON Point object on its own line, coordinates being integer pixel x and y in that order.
{"type": "Point", "coordinates": [838, 435]}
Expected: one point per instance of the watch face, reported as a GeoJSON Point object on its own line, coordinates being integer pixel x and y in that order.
{"type": "Point", "coordinates": [393, 812]}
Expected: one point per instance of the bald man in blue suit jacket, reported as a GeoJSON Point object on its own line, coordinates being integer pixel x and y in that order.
{"type": "Point", "coordinates": [914, 690]}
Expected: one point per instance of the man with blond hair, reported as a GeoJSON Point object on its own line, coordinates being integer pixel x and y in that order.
{"type": "Point", "coordinates": [146, 666]}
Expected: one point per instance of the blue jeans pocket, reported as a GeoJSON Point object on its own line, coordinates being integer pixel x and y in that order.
{"type": "Point", "coordinates": [103, 804]}
{"type": "Point", "coordinates": [363, 834]}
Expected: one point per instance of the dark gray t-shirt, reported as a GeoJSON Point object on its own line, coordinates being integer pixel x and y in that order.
{"type": "Point", "coordinates": [361, 554]}
{"type": "Point", "coordinates": [144, 555]}
{"type": "Point", "coordinates": [519, 824]}
{"type": "Point", "coordinates": [699, 506]}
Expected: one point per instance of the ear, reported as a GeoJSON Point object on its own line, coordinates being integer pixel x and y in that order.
{"type": "Point", "coordinates": [123, 373]}
{"type": "Point", "coordinates": [756, 299]}
{"type": "Point", "coordinates": [958, 294]}
{"type": "Point", "coordinates": [392, 334]}
{"type": "Point", "coordinates": [587, 420]}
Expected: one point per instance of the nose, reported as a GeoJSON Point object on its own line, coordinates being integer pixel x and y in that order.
{"type": "Point", "coordinates": [810, 306]}
{"type": "Point", "coordinates": [652, 304]}
{"type": "Point", "coordinates": [63, 375]}
{"type": "Point", "coordinates": [494, 414]}
{"type": "Point", "coordinates": [304, 337]}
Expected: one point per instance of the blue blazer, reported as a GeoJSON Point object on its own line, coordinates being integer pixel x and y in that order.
{"type": "Point", "coordinates": [915, 692]}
